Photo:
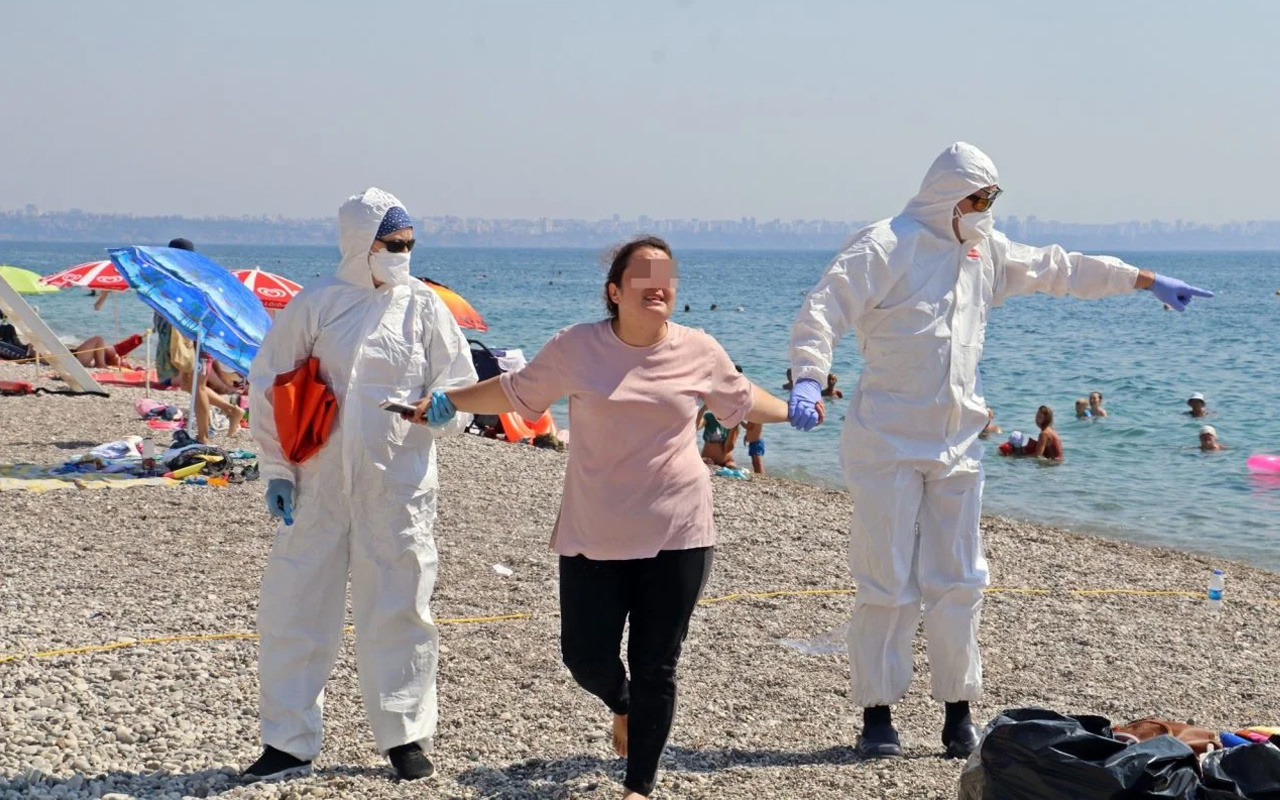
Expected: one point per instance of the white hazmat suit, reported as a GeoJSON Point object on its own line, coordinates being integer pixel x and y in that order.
{"type": "Point", "coordinates": [365, 503]}
{"type": "Point", "coordinates": [917, 300]}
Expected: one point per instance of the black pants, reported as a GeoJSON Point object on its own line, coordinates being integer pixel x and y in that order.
{"type": "Point", "coordinates": [658, 594]}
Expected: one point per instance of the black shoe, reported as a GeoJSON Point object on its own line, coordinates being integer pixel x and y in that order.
{"type": "Point", "coordinates": [276, 765]}
{"type": "Point", "coordinates": [960, 739]}
{"type": "Point", "coordinates": [878, 741]}
{"type": "Point", "coordinates": [410, 762]}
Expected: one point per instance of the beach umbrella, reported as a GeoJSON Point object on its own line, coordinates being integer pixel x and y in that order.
{"type": "Point", "coordinates": [200, 299]}
{"type": "Point", "coordinates": [101, 275]}
{"type": "Point", "coordinates": [24, 281]}
{"type": "Point", "coordinates": [273, 290]}
{"type": "Point", "coordinates": [463, 312]}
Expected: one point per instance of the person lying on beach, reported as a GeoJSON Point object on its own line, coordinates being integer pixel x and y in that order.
{"type": "Point", "coordinates": [1082, 408]}
{"type": "Point", "coordinates": [635, 533]}
{"type": "Point", "coordinates": [1095, 404]}
{"type": "Point", "coordinates": [1049, 444]}
{"type": "Point", "coordinates": [1209, 439]}
{"type": "Point", "coordinates": [1198, 406]}
{"type": "Point", "coordinates": [92, 353]}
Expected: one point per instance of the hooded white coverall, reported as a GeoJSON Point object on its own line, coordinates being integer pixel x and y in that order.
{"type": "Point", "coordinates": [917, 300]}
{"type": "Point", "coordinates": [364, 503]}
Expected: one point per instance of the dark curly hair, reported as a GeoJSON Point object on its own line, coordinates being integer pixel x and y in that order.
{"type": "Point", "coordinates": [618, 258]}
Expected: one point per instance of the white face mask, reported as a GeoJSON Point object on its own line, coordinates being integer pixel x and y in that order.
{"type": "Point", "coordinates": [975, 225]}
{"type": "Point", "coordinates": [389, 267]}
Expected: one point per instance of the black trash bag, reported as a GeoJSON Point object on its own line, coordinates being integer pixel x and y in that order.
{"type": "Point", "coordinates": [1037, 754]}
{"type": "Point", "coordinates": [1250, 771]}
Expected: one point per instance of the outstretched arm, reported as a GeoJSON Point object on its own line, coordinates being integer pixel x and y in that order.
{"type": "Point", "coordinates": [1022, 269]}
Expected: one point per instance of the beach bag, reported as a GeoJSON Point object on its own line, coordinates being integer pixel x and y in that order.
{"type": "Point", "coordinates": [182, 353]}
{"type": "Point", "coordinates": [1037, 754]}
{"type": "Point", "coordinates": [304, 409]}
{"type": "Point", "coordinates": [1251, 771]}
{"type": "Point", "coordinates": [1200, 740]}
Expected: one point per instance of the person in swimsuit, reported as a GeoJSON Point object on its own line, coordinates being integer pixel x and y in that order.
{"type": "Point", "coordinates": [717, 440]}
{"type": "Point", "coordinates": [1049, 445]}
{"type": "Point", "coordinates": [1095, 404]}
{"type": "Point", "coordinates": [1082, 409]}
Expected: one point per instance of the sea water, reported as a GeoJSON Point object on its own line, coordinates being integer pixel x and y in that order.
{"type": "Point", "coordinates": [1137, 474]}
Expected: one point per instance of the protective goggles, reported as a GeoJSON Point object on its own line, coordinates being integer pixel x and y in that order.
{"type": "Point", "coordinates": [399, 247]}
{"type": "Point", "coordinates": [981, 202]}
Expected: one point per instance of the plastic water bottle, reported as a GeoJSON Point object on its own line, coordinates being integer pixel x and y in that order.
{"type": "Point", "coordinates": [148, 453]}
{"type": "Point", "coordinates": [1216, 586]}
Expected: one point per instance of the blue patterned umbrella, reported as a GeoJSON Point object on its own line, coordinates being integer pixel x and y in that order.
{"type": "Point", "coordinates": [200, 299]}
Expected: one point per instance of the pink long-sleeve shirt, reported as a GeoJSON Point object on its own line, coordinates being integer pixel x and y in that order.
{"type": "Point", "coordinates": [635, 484]}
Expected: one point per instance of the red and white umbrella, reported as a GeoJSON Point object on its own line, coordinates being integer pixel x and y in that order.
{"type": "Point", "coordinates": [273, 290]}
{"type": "Point", "coordinates": [101, 275]}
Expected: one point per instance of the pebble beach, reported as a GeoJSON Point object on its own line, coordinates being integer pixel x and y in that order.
{"type": "Point", "coordinates": [128, 665]}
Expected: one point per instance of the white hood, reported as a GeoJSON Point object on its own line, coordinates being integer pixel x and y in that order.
{"type": "Point", "coordinates": [358, 222]}
{"type": "Point", "coordinates": [958, 172]}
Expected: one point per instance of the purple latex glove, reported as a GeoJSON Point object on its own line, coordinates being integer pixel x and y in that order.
{"type": "Point", "coordinates": [1176, 293]}
{"type": "Point", "coordinates": [802, 408]}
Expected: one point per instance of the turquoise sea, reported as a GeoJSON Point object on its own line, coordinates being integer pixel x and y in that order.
{"type": "Point", "coordinates": [1135, 475]}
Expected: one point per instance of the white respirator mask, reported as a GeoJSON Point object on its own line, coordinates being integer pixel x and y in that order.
{"type": "Point", "coordinates": [974, 225]}
{"type": "Point", "coordinates": [388, 267]}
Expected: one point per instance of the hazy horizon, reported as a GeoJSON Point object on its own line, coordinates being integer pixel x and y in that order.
{"type": "Point", "coordinates": [1094, 112]}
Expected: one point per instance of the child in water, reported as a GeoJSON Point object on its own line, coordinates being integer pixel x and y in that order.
{"type": "Point", "coordinates": [1082, 409]}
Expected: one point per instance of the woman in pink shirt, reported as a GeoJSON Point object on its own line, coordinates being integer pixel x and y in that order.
{"type": "Point", "coordinates": [635, 531]}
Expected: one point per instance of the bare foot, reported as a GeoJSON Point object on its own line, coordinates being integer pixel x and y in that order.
{"type": "Point", "coordinates": [235, 418]}
{"type": "Point", "coordinates": [620, 739]}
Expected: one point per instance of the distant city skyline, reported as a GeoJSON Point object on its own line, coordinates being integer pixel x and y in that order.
{"type": "Point", "coordinates": [31, 223]}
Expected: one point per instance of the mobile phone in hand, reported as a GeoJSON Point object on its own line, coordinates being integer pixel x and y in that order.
{"type": "Point", "coordinates": [396, 407]}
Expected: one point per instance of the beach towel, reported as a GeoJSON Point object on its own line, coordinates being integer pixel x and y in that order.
{"type": "Point", "coordinates": [304, 409]}
{"type": "Point", "coordinates": [38, 479]}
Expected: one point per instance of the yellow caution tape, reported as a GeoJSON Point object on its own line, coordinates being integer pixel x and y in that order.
{"type": "Point", "coordinates": [213, 637]}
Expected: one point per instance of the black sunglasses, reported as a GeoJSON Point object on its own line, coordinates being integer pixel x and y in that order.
{"type": "Point", "coordinates": [981, 202]}
{"type": "Point", "coordinates": [399, 246]}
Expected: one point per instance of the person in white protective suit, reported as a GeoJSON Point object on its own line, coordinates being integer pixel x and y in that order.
{"type": "Point", "coordinates": [916, 290]}
{"type": "Point", "coordinates": [365, 502]}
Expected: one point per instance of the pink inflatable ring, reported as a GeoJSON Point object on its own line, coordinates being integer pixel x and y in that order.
{"type": "Point", "coordinates": [1262, 464]}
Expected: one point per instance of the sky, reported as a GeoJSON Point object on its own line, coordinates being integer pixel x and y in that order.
{"type": "Point", "coordinates": [1093, 110]}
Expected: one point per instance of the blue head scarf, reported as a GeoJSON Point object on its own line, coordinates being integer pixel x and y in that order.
{"type": "Point", "coordinates": [396, 219]}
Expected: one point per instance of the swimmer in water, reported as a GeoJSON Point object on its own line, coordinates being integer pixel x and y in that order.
{"type": "Point", "coordinates": [1209, 439]}
{"type": "Point", "coordinates": [1082, 409]}
{"type": "Point", "coordinates": [992, 427]}
{"type": "Point", "coordinates": [1198, 406]}
{"type": "Point", "coordinates": [1095, 404]}
{"type": "Point", "coordinates": [831, 390]}
{"type": "Point", "coordinates": [1049, 445]}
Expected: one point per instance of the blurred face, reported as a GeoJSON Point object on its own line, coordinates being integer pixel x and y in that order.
{"type": "Point", "coordinates": [1095, 399]}
{"type": "Point", "coordinates": [1197, 407]}
{"type": "Point", "coordinates": [648, 289]}
{"type": "Point", "coordinates": [1042, 419]}
{"type": "Point", "coordinates": [1081, 406]}
{"type": "Point", "coordinates": [1208, 441]}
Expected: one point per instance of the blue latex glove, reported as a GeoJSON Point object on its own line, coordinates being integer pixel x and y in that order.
{"type": "Point", "coordinates": [280, 499]}
{"type": "Point", "coordinates": [1176, 293]}
{"type": "Point", "coordinates": [441, 409]}
{"type": "Point", "coordinates": [802, 408]}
